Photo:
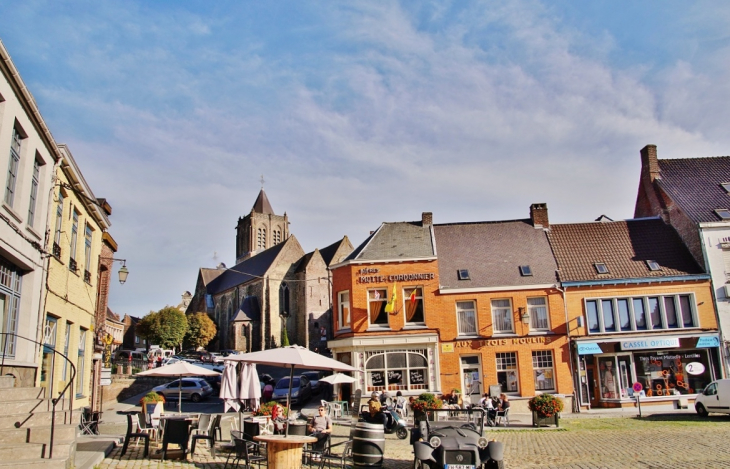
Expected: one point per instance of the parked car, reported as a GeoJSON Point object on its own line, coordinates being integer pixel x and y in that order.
{"type": "Point", "coordinates": [226, 352]}
{"type": "Point", "coordinates": [193, 389]}
{"type": "Point", "coordinates": [201, 355]}
{"type": "Point", "coordinates": [714, 398]}
{"type": "Point", "coordinates": [314, 377]}
{"type": "Point", "coordinates": [122, 355]}
{"type": "Point", "coordinates": [301, 391]}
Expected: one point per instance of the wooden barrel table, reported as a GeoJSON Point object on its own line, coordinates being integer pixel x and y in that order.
{"type": "Point", "coordinates": [368, 446]}
{"type": "Point", "coordinates": [284, 452]}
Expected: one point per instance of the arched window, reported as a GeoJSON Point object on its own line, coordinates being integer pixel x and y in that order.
{"type": "Point", "coordinates": [397, 370]}
{"type": "Point", "coordinates": [284, 299]}
{"type": "Point", "coordinates": [261, 239]}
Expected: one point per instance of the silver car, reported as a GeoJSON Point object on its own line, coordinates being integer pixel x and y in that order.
{"type": "Point", "coordinates": [301, 391]}
{"type": "Point", "coordinates": [193, 389]}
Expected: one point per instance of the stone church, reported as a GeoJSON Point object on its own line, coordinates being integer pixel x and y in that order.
{"type": "Point", "coordinates": [274, 287]}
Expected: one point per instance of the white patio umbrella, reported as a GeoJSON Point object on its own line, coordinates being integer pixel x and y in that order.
{"type": "Point", "coordinates": [336, 379]}
{"type": "Point", "coordinates": [179, 370]}
{"type": "Point", "coordinates": [229, 388]}
{"type": "Point", "coordinates": [292, 357]}
{"type": "Point", "coordinates": [250, 387]}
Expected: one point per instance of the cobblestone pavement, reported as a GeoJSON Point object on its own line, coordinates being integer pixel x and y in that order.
{"type": "Point", "coordinates": [671, 441]}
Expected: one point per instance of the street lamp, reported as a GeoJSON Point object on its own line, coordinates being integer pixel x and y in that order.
{"type": "Point", "coordinates": [524, 315]}
{"type": "Point", "coordinates": [123, 271]}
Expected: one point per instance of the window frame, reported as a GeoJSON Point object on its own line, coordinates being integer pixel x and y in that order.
{"type": "Point", "coordinates": [35, 182]}
{"type": "Point", "coordinates": [382, 299]}
{"type": "Point", "coordinates": [341, 304]}
{"type": "Point", "coordinates": [81, 363]}
{"type": "Point", "coordinates": [460, 310]}
{"type": "Point", "coordinates": [646, 301]}
{"type": "Point", "coordinates": [539, 356]}
{"type": "Point", "coordinates": [407, 299]}
{"type": "Point", "coordinates": [11, 183]}
{"type": "Point", "coordinates": [88, 240]}
{"type": "Point", "coordinates": [500, 366]}
{"type": "Point", "coordinates": [531, 311]}
{"type": "Point", "coordinates": [510, 314]}
{"type": "Point", "coordinates": [75, 215]}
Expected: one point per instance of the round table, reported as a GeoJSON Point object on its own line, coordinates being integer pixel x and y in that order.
{"type": "Point", "coordinates": [284, 452]}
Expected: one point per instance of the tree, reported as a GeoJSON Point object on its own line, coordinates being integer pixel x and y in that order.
{"type": "Point", "coordinates": [201, 330]}
{"type": "Point", "coordinates": [165, 328]}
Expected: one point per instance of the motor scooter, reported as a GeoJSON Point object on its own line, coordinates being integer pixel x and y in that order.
{"type": "Point", "coordinates": [394, 423]}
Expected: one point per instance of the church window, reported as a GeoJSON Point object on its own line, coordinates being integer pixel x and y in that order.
{"type": "Point", "coordinates": [284, 299]}
{"type": "Point", "coordinates": [277, 236]}
{"type": "Point", "coordinates": [261, 241]}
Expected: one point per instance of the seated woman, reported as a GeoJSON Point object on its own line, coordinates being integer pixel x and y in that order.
{"type": "Point", "coordinates": [278, 418]}
{"type": "Point", "coordinates": [374, 414]}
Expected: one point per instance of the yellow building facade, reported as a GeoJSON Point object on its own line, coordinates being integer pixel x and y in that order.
{"type": "Point", "coordinates": [77, 222]}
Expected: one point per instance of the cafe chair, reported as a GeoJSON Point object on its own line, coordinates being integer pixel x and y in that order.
{"type": "Point", "coordinates": [246, 451]}
{"type": "Point", "coordinates": [207, 434]}
{"type": "Point", "coordinates": [313, 452]}
{"type": "Point", "coordinates": [89, 422]}
{"type": "Point", "coordinates": [177, 432]}
{"type": "Point", "coordinates": [134, 432]}
{"type": "Point", "coordinates": [338, 455]}
{"type": "Point", "coordinates": [502, 417]}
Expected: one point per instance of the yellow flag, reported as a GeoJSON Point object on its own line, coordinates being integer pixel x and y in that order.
{"type": "Point", "coordinates": [391, 303]}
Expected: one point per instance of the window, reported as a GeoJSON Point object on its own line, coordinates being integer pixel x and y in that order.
{"type": "Point", "coordinates": [396, 370]}
{"type": "Point", "coordinates": [544, 373]}
{"type": "Point", "coordinates": [261, 239]}
{"type": "Point", "coordinates": [666, 373]}
{"type": "Point", "coordinates": [49, 332]}
{"type": "Point", "coordinates": [277, 236]}
{"type": "Point", "coordinates": [466, 317]}
{"type": "Point", "coordinates": [640, 313]}
{"type": "Point", "coordinates": [413, 298]}
{"type": "Point", "coordinates": [502, 314]}
{"type": "Point", "coordinates": [284, 307]}
{"type": "Point", "coordinates": [507, 371]}
{"type": "Point", "coordinates": [59, 221]}
{"type": "Point", "coordinates": [463, 274]}
{"type": "Point", "coordinates": [525, 270]}
{"type": "Point", "coordinates": [66, 343]}
{"type": "Point", "coordinates": [10, 287]}
{"type": "Point", "coordinates": [81, 364]}
{"type": "Point", "coordinates": [87, 253]}
{"type": "Point", "coordinates": [723, 213]}
{"type": "Point", "coordinates": [13, 166]}
{"type": "Point", "coordinates": [601, 268]}
{"type": "Point", "coordinates": [376, 307]}
{"type": "Point", "coordinates": [74, 237]}
{"type": "Point", "coordinates": [653, 265]}
{"type": "Point", "coordinates": [34, 192]}
{"type": "Point", "coordinates": [726, 186]}
{"type": "Point", "coordinates": [537, 309]}
{"type": "Point", "coordinates": [343, 318]}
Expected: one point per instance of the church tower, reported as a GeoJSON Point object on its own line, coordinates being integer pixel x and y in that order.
{"type": "Point", "coordinates": [260, 229]}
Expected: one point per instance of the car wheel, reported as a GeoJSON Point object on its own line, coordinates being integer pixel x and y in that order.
{"type": "Point", "coordinates": [701, 410]}
{"type": "Point", "coordinates": [401, 433]}
{"type": "Point", "coordinates": [195, 397]}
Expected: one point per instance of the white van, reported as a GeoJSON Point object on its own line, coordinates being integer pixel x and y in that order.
{"type": "Point", "coordinates": [714, 398]}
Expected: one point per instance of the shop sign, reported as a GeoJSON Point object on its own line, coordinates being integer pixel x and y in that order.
{"type": "Point", "coordinates": [447, 348]}
{"type": "Point", "coordinates": [708, 342]}
{"type": "Point", "coordinates": [589, 348]}
{"type": "Point", "coordinates": [377, 378]}
{"type": "Point", "coordinates": [650, 343]}
{"type": "Point", "coordinates": [372, 275]}
{"type": "Point", "coordinates": [500, 342]}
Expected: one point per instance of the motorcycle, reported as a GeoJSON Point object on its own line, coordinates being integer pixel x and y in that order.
{"type": "Point", "coordinates": [395, 423]}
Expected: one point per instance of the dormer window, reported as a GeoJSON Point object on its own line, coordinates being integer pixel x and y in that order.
{"type": "Point", "coordinates": [726, 186]}
{"type": "Point", "coordinates": [601, 268]}
{"type": "Point", "coordinates": [525, 270]}
{"type": "Point", "coordinates": [463, 274]}
{"type": "Point", "coordinates": [723, 213]}
{"type": "Point", "coordinates": [653, 265]}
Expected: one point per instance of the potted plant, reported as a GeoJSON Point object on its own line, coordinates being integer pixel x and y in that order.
{"type": "Point", "coordinates": [545, 409]}
{"type": "Point", "coordinates": [150, 401]}
{"type": "Point", "coordinates": [425, 402]}
{"type": "Point", "coordinates": [267, 409]}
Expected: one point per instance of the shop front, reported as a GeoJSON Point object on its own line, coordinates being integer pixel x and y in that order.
{"type": "Point", "coordinates": [661, 369]}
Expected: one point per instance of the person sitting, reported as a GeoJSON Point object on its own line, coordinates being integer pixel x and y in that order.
{"type": "Point", "coordinates": [267, 392]}
{"type": "Point", "coordinates": [375, 414]}
{"type": "Point", "coordinates": [400, 404]}
{"type": "Point", "coordinates": [320, 428]}
{"type": "Point", "coordinates": [278, 418]}
{"type": "Point", "coordinates": [503, 402]}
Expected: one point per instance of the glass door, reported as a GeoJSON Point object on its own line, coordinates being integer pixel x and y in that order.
{"type": "Point", "coordinates": [471, 373]}
{"type": "Point", "coordinates": [624, 374]}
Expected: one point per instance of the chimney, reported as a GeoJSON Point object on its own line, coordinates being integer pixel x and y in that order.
{"type": "Point", "coordinates": [649, 163]}
{"type": "Point", "coordinates": [539, 216]}
{"type": "Point", "coordinates": [426, 218]}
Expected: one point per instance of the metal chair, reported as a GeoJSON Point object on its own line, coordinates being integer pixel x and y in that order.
{"type": "Point", "coordinates": [502, 417]}
{"type": "Point", "coordinates": [313, 452]}
{"type": "Point", "coordinates": [177, 431]}
{"type": "Point", "coordinates": [89, 422]}
{"type": "Point", "coordinates": [132, 426]}
{"type": "Point", "coordinates": [207, 434]}
{"type": "Point", "coordinates": [337, 459]}
{"type": "Point", "coordinates": [245, 451]}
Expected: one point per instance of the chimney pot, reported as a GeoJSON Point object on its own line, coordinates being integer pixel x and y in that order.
{"type": "Point", "coordinates": [539, 215]}
{"type": "Point", "coordinates": [649, 163]}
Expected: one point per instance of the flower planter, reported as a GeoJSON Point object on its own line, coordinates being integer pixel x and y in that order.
{"type": "Point", "coordinates": [420, 415]}
{"type": "Point", "coordinates": [538, 421]}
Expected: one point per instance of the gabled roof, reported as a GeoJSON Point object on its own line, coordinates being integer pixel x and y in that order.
{"type": "Point", "coordinates": [694, 184]}
{"type": "Point", "coordinates": [328, 253]}
{"type": "Point", "coordinates": [262, 204]}
{"type": "Point", "coordinates": [623, 246]}
{"type": "Point", "coordinates": [252, 268]}
{"type": "Point", "coordinates": [493, 252]}
{"type": "Point", "coordinates": [208, 275]}
{"type": "Point", "coordinates": [249, 310]}
{"type": "Point", "coordinates": [399, 240]}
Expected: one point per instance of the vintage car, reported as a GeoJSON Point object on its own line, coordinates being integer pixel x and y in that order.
{"type": "Point", "coordinates": [454, 439]}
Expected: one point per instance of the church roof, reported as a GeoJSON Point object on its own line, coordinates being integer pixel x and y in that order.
{"type": "Point", "coordinates": [262, 204]}
{"type": "Point", "coordinates": [328, 253]}
{"type": "Point", "coordinates": [208, 275]}
{"type": "Point", "coordinates": [249, 310]}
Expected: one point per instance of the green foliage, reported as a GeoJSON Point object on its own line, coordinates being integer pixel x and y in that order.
{"type": "Point", "coordinates": [427, 401]}
{"type": "Point", "coordinates": [201, 330]}
{"type": "Point", "coordinates": [546, 405]}
{"type": "Point", "coordinates": [151, 398]}
{"type": "Point", "coordinates": [165, 328]}
{"type": "Point", "coordinates": [284, 338]}
{"type": "Point", "coordinates": [268, 408]}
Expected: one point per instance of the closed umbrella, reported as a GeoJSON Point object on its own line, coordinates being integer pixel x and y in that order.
{"type": "Point", "coordinates": [229, 388]}
{"type": "Point", "coordinates": [291, 357]}
{"type": "Point", "coordinates": [250, 387]}
{"type": "Point", "coordinates": [179, 370]}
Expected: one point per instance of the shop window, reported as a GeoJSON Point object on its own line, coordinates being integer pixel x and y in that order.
{"type": "Point", "coordinates": [544, 372]}
{"type": "Point", "coordinates": [399, 370]}
{"type": "Point", "coordinates": [413, 298]}
{"type": "Point", "coordinates": [507, 372]}
{"type": "Point", "coordinates": [609, 378]}
{"type": "Point", "coordinates": [639, 314]}
{"type": "Point", "coordinates": [673, 373]}
{"type": "Point", "coordinates": [466, 317]}
{"type": "Point", "coordinates": [502, 316]}
{"type": "Point", "coordinates": [377, 300]}
{"type": "Point", "coordinates": [537, 309]}
{"type": "Point", "coordinates": [343, 318]}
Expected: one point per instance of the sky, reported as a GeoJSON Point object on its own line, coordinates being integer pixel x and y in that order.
{"type": "Point", "coordinates": [361, 112]}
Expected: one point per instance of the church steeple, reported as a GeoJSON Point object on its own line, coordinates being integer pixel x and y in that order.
{"type": "Point", "coordinates": [260, 229]}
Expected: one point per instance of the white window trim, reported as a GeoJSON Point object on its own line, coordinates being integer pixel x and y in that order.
{"type": "Point", "coordinates": [458, 320]}
{"type": "Point", "coordinates": [552, 368]}
{"type": "Point", "coordinates": [511, 316]}
{"type": "Point", "coordinates": [531, 311]}
{"type": "Point", "coordinates": [406, 300]}
{"type": "Point", "coordinates": [647, 314]}
{"type": "Point", "coordinates": [385, 298]}
{"type": "Point", "coordinates": [340, 316]}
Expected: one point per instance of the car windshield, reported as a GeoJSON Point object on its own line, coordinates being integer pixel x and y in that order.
{"type": "Point", "coordinates": [284, 383]}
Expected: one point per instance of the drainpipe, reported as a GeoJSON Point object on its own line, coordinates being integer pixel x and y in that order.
{"type": "Point", "coordinates": [576, 404]}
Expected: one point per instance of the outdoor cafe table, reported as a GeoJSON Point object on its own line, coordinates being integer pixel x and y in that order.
{"type": "Point", "coordinates": [284, 452]}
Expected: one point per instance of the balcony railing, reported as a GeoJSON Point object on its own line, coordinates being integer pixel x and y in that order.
{"type": "Point", "coordinates": [72, 264]}
{"type": "Point", "coordinates": [87, 276]}
{"type": "Point", "coordinates": [56, 250]}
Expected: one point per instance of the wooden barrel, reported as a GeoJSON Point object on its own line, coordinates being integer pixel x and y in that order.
{"type": "Point", "coordinates": [368, 445]}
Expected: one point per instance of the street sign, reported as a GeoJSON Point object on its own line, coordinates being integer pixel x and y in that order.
{"type": "Point", "coordinates": [637, 387]}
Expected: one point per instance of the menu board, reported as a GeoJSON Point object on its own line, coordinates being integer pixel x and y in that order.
{"type": "Point", "coordinates": [418, 376]}
{"type": "Point", "coordinates": [377, 378]}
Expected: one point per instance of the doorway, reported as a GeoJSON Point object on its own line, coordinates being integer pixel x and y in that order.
{"type": "Point", "coordinates": [471, 379]}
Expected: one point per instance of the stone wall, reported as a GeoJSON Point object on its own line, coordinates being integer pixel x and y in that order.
{"type": "Point", "coordinates": [122, 389]}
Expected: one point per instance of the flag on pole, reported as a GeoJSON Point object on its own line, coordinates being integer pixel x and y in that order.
{"type": "Point", "coordinates": [413, 296]}
{"type": "Point", "coordinates": [391, 303]}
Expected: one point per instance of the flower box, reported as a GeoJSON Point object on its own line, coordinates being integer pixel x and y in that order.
{"type": "Point", "coordinates": [538, 421]}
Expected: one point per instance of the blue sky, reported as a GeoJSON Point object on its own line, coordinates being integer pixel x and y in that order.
{"type": "Point", "coordinates": [362, 112]}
